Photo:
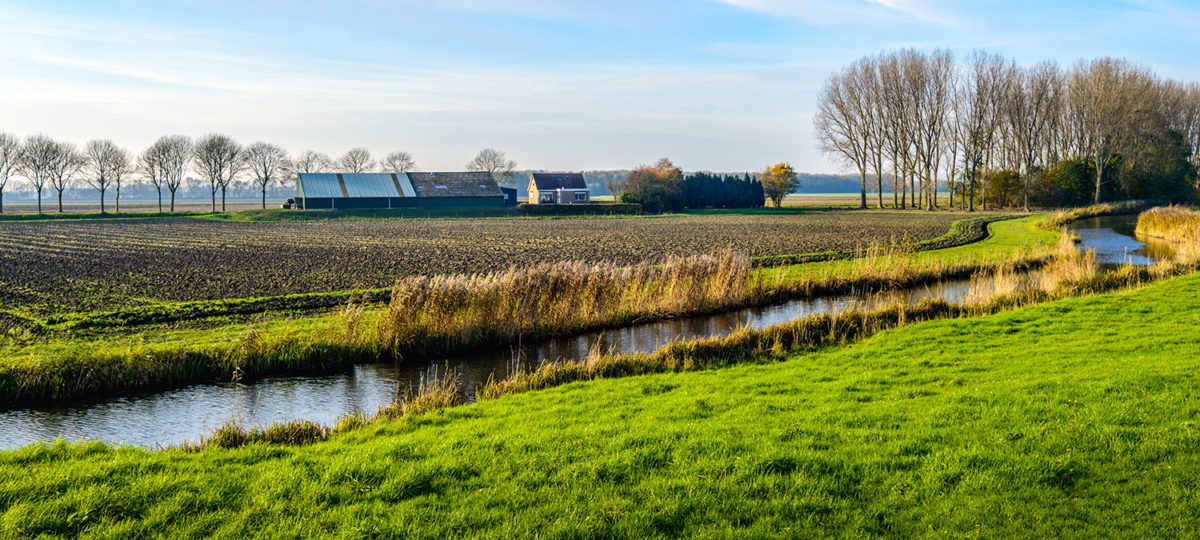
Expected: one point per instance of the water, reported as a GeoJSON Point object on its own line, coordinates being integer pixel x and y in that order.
{"type": "Point", "coordinates": [176, 416]}
{"type": "Point", "coordinates": [1114, 241]}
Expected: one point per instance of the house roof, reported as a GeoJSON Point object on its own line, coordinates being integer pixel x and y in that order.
{"type": "Point", "coordinates": [553, 181]}
{"type": "Point", "coordinates": [354, 185]}
{"type": "Point", "coordinates": [455, 184]}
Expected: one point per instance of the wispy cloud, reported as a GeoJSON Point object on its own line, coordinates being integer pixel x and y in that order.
{"type": "Point", "coordinates": [851, 12]}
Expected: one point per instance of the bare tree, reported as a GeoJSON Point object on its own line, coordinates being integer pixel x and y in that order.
{"type": "Point", "coordinates": [1181, 107]}
{"type": "Point", "coordinates": [107, 164]}
{"type": "Point", "coordinates": [615, 185]}
{"type": "Point", "coordinates": [897, 115]}
{"type": "Point", "coordinates": [64, 168]}
{"type": "Point", "coordinates": [1032, 105]}
{"type": "Point", "coordinates": [1109, 106]}
{"type": "Point", "coordinates": [266, 162]}
{"type": "Point", "coordinates": [311, 161]}
{"type": "Point", "coordinates": [933, 103]}
{"type": "Point", "coordinates": [399, 162]}
{"type": "Point", "coordinates": [150, 167]}
{"type": "Point", "coordinates": [37, 159]}
{"type": "Point", "coordinates": [981, 94]}
{"type": "Point", "coordinates": [173, 154]}
{"type": "Point", "coordinates": [10, 158]}
{"type": "Point", "coordinates": [876, 123]}
{"type": "Point", "coordinates": [356, 160]}
{"type": "Point", "coordinates": [952, 137]}
{"type": "Point", "coordinates": [218, 159]}
{"type": "Point", "coordinates": [494, 162]}
{"type": "Point", "coordinates": [842, 106]}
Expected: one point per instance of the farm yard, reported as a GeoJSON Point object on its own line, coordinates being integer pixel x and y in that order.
{"type": "Point", "coordinates": [57, 266]}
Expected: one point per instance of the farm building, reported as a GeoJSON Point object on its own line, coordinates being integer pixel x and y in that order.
{"type": "Point", "coordinates": [558, 188]}
{"type": "Point", "coordinates": [397, 190]}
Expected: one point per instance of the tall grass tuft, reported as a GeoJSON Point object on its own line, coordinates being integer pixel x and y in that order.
{"type": "Point", "coordinates": [1070, 270]}
{"type": "Point", "coordinates": [1063, 218]}
{"type": "Point", "coordinates": [233, 434]}
{"type": "Point", "coordinates": [429, 314]}
{"type": "Point", "coordinates": [1179, 225]}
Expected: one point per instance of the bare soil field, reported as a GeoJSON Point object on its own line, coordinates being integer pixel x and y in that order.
{"type": "Point", "coordinates": [66, 266]}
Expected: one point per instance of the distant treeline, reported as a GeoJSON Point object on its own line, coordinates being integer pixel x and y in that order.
{"type": "Point", "coordinates": [994, 132]}
{"type": "Point", "coordinates": [706, 190]}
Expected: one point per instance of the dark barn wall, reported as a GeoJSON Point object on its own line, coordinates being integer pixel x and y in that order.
{"type": "Point", "coordinates": [326, 203]}
{"type": "Point", "coordinates": [460, 202]}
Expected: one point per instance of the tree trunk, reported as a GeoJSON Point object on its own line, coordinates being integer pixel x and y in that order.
{"type": "Point", "coordinates": [934, 193]}
{"type": "Point", "coordinates": [1099, 178]}
{"type": "Point", "coordinates": [222, 198]}
{"type": "Point", "coordinates": [159, 200]}
{"type": "Point", "coordinates": [862, 184]}
{"type": "Point", "coordinates": [102, 201]}
{"type": "Point", "coordinates": [39, 201]}
{"type": "Point", "coordinates": [971, 197]}
{"type": "Point", "coordinates": [264, 199]}
{"type": "Point", "coordinates": [60, 201]}
{"type": "Point", "coordinates": [879, 186]}
{"type": "Point", "coordinates": [1, 201]}
{"type": "Point", "coordinates": [172, 200]}
{"type": "Point", "coordinates": [213, 192]}
{"type": "Point", "coordinates": [117, 199]}
{"type": "Point", "coordinates": [895, 186]}
{"type": "Point", "coordinates": [1026, 188]}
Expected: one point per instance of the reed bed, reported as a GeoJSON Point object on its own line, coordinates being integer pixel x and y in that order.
{"type": "Point", "coordinates": [441, 313]}
{"type": "Point", "coordinates": [1063, 218]}
{"type": "Point", "coordinates": [1179, 225]}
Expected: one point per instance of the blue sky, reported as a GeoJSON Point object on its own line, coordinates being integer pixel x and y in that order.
{"type": "Point", "coordinates": [725, 85]}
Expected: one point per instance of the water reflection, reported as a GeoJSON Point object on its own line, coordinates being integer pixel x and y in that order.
{"type": "Point", "coordinates": [1115, 241]}
{"type": "Point", "coordinates": [184, 414]}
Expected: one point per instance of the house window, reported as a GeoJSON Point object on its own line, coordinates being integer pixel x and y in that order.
{"type": "Point", "coordinates": [546, 197]}
{"type": "Point", "coordinates": [581, 196]}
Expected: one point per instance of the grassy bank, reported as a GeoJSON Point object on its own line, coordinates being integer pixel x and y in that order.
{"type": "Point", "coordinates": [454, 313]}
{"type": "Point", "coordinates": [1070, 417]}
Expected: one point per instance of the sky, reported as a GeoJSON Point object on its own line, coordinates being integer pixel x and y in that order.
{"type": "Point", "coordinates": [718, 85]}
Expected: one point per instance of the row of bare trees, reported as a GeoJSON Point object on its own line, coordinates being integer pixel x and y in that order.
{"type": "Point", "coordinates": [929, 121]}
{"type": "Point", "coordinates": [103, 165]}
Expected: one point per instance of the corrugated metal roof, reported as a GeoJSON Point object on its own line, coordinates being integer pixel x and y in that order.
{"type": "Point", "coordinates": [370, 185]}
{"type": "Point", "coordinates": [355, 185]}
{"type": "Point", "coordinates": [406, 185]}
{"type": "Point", "coordinates": [319, 185]}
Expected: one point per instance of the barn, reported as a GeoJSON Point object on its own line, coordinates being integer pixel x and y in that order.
{"type": "Point", "coordinates": [558, 188]}
{"type": "Point", "coordinates": [456, 190]}
{"type": "Point", "coordinates": [397, 190]}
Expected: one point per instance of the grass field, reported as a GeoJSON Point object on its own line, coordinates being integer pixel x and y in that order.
{"type": "Point", "coordinates": [58, 266]}
{"type": "Point", "coordinates": [1071, 418]}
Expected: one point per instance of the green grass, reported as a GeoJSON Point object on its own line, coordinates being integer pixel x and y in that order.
{"type": "Point", "coordinates": [66, 363]}
{"type": "Point", "coordinates": [1006, 240]}
{"type": "Point", "coordinates": [1073, 418]}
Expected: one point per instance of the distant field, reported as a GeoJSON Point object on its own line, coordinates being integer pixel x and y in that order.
{"type": "Point", "coordinates": [844, 199]}
{"type": "Point", "coordinates": [49, 206]}
{"type": "Point", "coordinates": [57, 266]}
